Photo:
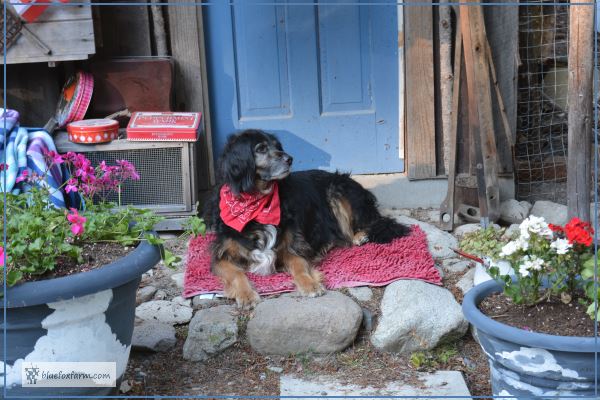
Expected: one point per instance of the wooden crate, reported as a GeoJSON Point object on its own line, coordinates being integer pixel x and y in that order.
{"type": "Point", "coordinates": [68, 30]}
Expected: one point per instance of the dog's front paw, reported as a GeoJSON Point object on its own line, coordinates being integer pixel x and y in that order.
{"type": "Point", "coordinates": [247, 299]}
{"type": "Point", "coordinates": [360, 238]}
{"type": "Point", "coordinates": [309, 286]}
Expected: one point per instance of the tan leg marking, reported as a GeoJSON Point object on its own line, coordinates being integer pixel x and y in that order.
{"type": "Point", "coordinates": [343, 214]}
{"type": "Point", "coordinates": [307, 280]}
{"type": "Point", "coordinates": [236, 284]}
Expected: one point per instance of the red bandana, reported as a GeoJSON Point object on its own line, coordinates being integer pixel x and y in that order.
{"type": "Point", "coordinates": [237, 211]}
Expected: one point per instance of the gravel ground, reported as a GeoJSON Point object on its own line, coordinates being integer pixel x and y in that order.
{"type": "Point", "coordinates": [241, 371]}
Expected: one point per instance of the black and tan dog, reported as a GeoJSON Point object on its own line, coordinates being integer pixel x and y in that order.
{"type": "Point", "coordinates": [268, 219]}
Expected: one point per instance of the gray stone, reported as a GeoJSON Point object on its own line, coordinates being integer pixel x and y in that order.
{"type": "Point", "coordinates": [462, 230]}
{"type": "Point", "coordinates": [513, 211]}
{"type": "Point", "coordinates": [417, 316]}
{"type": "Point", "coordinates": [144, 294]}
{"type": "Point", "coordinates": [291, 325]}
{"type": "Point", "coordinates": [277, 370]}
{"type": "Point", "coordinates": [160, 295]}
{"type": "Point", "coordinates": [211, 331]}
{"type": "Point", "coordinates": [362, 293]}
{"type": "Point", "coordinates": [512, 231]}
{"type": "Point", "coordinates": [178, 279]}
{"type": "Point", "coordinates": [440, 383]}
{"type": "Point", "coordinates": [181, 301]}
{"type": "Point", "coordinates": [203, 301]}
{"type": "Point", "coordinates": [125, 386]}
{"type": "Point", "coordinates": [433, 216]}
{"type": "Point", "coordinates": [440, 243]}
{"type": "Point", "coordinates": [164, 311]}
{"type": "Point", "coordinates": [153, 336]}
{"type": "Point", "coordinates": [466, 282]}
{"type": "Point", "coordinates": [457, 266]}
{"type": "Point", "coordinates": [553, 213]}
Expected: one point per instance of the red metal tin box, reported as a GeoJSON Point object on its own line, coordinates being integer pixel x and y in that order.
{"type": "Point", "coordinates": [164, 126]}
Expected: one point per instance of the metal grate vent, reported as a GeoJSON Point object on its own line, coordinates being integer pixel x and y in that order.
{"type": "Point", "coordinates": [161, 178]}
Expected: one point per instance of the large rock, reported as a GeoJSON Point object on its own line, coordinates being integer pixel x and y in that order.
{"type": "Point", "coordinates": [440, 243]}
{"type": "Point", "coordinates": [153, 336]}
{"type": "Point", "coordinates": [164, 311]}
{"type": "Point", "coordinates": [211, 331]}
{"type": "Point", "coordinates": [417, 316]}
{"type": "Point", "coordinates": [513, 211]}
{"type": "Point", "coordinates": [553, 213]}
{"type": "Point", "coordinates": [291, 325]}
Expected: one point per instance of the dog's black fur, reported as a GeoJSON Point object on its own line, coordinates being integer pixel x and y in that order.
{"type": "Point", "coordinates": [319, 210]}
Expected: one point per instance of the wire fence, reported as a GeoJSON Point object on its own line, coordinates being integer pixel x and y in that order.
{"type": "Point", "coordinates": [541, 142]}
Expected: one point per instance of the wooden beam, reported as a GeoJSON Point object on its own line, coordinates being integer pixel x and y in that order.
{"type": "Point", "coordinates": [191, 90]}
{"type": "Point", "coordinates": [579, 177]}
{"type": "Point", "coordinates": [481, 118]}
{"type": "Point", "coordinates": [420, 112]}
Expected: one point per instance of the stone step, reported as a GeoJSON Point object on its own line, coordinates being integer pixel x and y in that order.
{"type": "Point", "coordinates": [440, 383]}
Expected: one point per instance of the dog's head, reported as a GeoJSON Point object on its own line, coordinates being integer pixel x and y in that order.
{"type": "Point", "coordinates": [251, 159]}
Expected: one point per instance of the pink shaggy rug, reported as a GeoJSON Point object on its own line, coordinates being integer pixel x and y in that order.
{"type": "Point", "coordinates": [368, 265]}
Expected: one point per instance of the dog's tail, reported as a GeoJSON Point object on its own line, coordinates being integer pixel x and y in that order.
{"type": "Point", "coordinates": [385, 229]}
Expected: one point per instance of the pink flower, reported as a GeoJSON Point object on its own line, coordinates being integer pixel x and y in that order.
{"type": "Point", "coordinates": [1, 256]}
{"type": "Point", "coordinates": [128, 170]}
{"type": "Point", "coordinates": [77, 222]}
{"type": "Point", "coordinates": [23, 176]}
{"type": "Point", "coordinates": [71, 186]}
{"type": "Point", "coordinates": [3, 167]}
{"type": "Point", "coordinates": [54, 157]}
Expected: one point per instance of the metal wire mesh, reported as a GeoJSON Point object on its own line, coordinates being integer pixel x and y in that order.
{"type": "Point", "coordinates": [158, 186]}
{"type": "Point", "coordinates": [541, 145]}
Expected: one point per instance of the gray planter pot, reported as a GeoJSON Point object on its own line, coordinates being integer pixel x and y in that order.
{"type": "Point", "coordinates": [526, 364]}
{"type": "Point", "coordinates": [87, 316]}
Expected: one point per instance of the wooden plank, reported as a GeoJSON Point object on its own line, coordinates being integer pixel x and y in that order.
{"type": "Point", "coordinates": [68, 40]}
{"type": "Point", "coordinates": [581, 64]}
{"type": "Point", "coordinates": [64, 12]}
{"type": "Point", "coordinates": [420, 112]}
{"type": "Point", "coordinates": [480, 109]}
{"type": "Point", "coordinates": [447, 207]}
{"type": "Point", "coordinates": [446, 83]}
{"type": "Point", "coordinates": [191, 90]}
{"type": "Point", "coordinates": [502, 31]}
{"type": "Point", "coordinates": [33, 89]}
{"type": "Point", "coordinates": [125, 30]}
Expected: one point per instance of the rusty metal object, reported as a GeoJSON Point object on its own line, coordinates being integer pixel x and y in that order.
{"type": "Point", "coordinates": [135, 84]}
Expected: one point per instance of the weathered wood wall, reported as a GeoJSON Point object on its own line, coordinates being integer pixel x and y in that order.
{"type": "Point", "coordinates": [424, 119]}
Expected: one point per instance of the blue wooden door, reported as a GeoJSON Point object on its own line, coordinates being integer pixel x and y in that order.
{"type": "Point", "coordinates": [324, 78]}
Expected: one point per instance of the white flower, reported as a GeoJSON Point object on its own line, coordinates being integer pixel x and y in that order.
{"type": "Point", "coordinates": [523, 243]}
{"type": "Point", "coordinates": [537, 225]}
{"type": "Point", "coordinates": [509, 248]}
{"type": "Point", "coordinates": [561, 246]}
{"type": "Point", "coordinates": [523, 271]}
{"type": "Point", "coordinates": [530, 263]}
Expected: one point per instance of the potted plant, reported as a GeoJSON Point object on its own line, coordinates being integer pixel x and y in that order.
{"type": "Point", "coordinates": [72, 275]}
{"type": "Point", "coordinates": [552, 271]}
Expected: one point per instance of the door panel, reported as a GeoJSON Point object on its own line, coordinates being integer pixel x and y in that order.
{"type": "Point", "coordinates": [323, 78]}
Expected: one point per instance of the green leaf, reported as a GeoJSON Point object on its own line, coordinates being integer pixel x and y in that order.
{"type": "Point", "coordinates": [170, 260]}
{"type": "Point", "coordinates": [13, 276]}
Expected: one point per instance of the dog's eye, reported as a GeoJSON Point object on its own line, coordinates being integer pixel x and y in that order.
{"type": "Point", "coordinates": [261, 148]}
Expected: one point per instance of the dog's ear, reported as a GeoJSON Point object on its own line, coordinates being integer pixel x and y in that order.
{"type": "Point", "coordinates": [236, 166]}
